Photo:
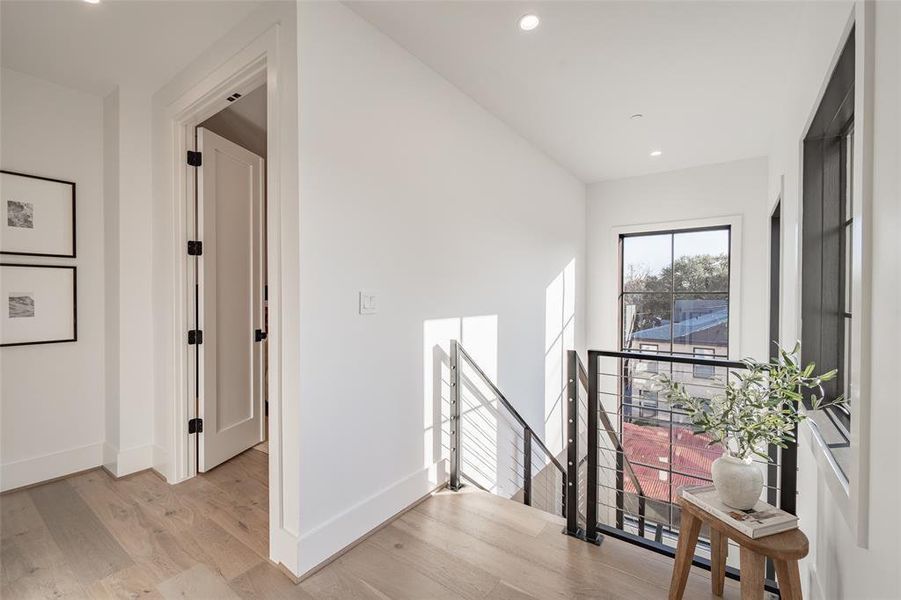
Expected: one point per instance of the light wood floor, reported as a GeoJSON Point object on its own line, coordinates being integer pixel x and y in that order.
{"type": "Point", "coordinates": [90, 536]}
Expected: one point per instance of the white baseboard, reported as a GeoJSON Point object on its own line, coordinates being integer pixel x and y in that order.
{"type": "Point", "coordinates": [283, 548]}
{"type": "Point", "coordinates": [161, 463]}
{"type": "Point", "coordinates": [50, 466]}
{"type": "Point", "coordinates": [125, 462]}
{"type": "Point", "coordinates": [324, 541]}
{"type": "Point", "coordinates": [110, 455]}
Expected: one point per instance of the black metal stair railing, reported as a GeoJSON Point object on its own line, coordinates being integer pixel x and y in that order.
{"type": "Point", "coordinates": [493, 447]}
{"type": "Point", "coordinates": [625, 452]}
{"type": "Point", "coordinates": [641, 450]}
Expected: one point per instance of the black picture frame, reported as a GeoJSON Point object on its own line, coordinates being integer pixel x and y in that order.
{"type": "Point", "coordinates": [74, 227]}
{"type": "Point", "coordinates": [74, 337]}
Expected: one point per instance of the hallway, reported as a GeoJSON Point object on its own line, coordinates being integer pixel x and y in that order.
{"type": "Point", "coordinates": [90, 536]}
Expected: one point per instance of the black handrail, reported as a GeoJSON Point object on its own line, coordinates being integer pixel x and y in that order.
{"type": "Point", "coordinates": [529, 436]}
{"type": "Point", "coordinates": [593, 528]}
{"type": "Point", "coordinates": [672, 358]}
{"type": "Point", "coordinates": [623, 464]}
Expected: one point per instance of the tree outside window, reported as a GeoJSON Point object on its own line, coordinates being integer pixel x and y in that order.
{"type": "Point", "coordinates": [675, 291]}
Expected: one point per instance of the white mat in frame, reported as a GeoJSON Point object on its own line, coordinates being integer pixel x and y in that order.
{"type": "Point", "coordinates": [37, 304]}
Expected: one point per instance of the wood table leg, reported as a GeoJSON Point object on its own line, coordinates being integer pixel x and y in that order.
{"type": "Point", "coordinates": [789, 578]}
{"type": "Point", "coordinates": [719, 551]}
{"type": "Point", "coordinates": [752, 575]}
{"type": "Point", "coordinates": [685, 552]}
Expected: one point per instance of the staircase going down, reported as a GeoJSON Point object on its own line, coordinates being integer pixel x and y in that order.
{"type": "Point", "coordinates": [617, 465]}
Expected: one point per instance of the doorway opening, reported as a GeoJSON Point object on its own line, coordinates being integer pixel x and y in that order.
{"type": "Point", "coordinates": [230, 273]}
{"type": "Point", "coordinates": [203, 95]}
{"type": "Point", "coordinates": [228, 258]}
{"type": "Point", "coordinates": [226, 301]}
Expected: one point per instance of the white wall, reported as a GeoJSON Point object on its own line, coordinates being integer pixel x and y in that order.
{"type": "Point", "coordinates": [136, 326]}
{"type": "Point", "coordinates": [837, 566]}
{"type": "Point", "coordinates": [410, 189]}
{"type": "Point", "coordinates": [710, 192]}
{"type": "Point", "coordinates": [127, 262]}
{"type": "Point", "coordinates": [53, 395]}
{"type": "Point", "coordinates": [112, 381]}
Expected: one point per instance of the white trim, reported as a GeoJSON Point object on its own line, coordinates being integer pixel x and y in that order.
{"type": "Point", "coordinates": [735, 243]}
{"type": "Point", "coordinates": [826, 463]}
{"type": "Point", "coordinates": [862, 268]}
{"type": "Point", "coordinates": [50, 466]}
{"type": "Point", "coordinates": [255, 63]}
{"type": "Point", "coordinates": [851, 494]}
{"type": "Point", "coordinates": [125, 462]}
{"type": "Point", "coordinates": [342, 530]}
{"type": "Point", "coordinates": [245, 71]}
{"type": "Point", "coordinates": [159, 458]}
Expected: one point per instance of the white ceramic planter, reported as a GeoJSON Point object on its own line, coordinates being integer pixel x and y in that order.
{"type": "Point", "coordinates": [739, 483]}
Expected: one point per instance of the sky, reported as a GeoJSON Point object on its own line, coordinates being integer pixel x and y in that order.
{"type": "Point", "coordinates": [655, 250]}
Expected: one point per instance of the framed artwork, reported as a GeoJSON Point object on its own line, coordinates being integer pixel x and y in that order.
{"type": "Point", "coordinates": [38, 304]}
{"type": "Point", "coordinates": [37, 215]}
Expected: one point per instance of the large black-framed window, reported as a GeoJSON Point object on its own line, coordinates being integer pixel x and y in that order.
{"type": "Point", "coordinates": [674, 290]}
{"type": "Point", "coordinates": [827, 230]}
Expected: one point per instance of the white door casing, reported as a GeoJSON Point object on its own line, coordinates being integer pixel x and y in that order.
{"type": "Point", "coordinates": [265, 53]}
{"type": "Point", "coordinates": [230, 223]}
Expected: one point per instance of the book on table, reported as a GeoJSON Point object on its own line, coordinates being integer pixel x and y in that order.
{"type": "Point", "coordinates": [760, 521]}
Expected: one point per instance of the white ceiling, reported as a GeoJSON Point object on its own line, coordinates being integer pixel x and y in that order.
{"type": "Point", "coordinates": [95, 47]}
{"type": "Point", "coordinates": [706, 75]}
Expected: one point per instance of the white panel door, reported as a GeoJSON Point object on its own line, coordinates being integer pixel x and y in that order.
{"type": "Point", "coordinates": [230, 223]}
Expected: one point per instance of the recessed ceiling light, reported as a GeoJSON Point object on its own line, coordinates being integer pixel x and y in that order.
{"type": "Point", "coordinates": [92, 1]}
{"type": "Point", "coordinates": [636, 116]}
{"type": "Point", "coordinates": [656, 153]}
{"type": "Point", "coordinates": [529, 22]}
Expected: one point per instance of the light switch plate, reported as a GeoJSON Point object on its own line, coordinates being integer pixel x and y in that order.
{"type": "Point", "coordinates": [367, 302]}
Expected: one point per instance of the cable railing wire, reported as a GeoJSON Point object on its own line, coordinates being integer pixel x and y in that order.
{"type": "Point", "coordinates": [490, 440]}
{"type": "Point", "coordinates": [656, 441]}
{"type": "Point", "coordinates": [626, 451]}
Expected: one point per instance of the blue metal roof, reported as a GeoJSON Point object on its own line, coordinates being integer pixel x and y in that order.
{"type": "Point", "coordinates": [684, 328]}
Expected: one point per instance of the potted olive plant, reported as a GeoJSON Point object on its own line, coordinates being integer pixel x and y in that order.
{"type": "Point", "coordinates": [757, 407]}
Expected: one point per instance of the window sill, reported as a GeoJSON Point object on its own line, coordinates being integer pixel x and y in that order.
{"type": "Point", "coordinates": [830, 470]}
{"type": "Point", "coordinates": [833, 439]}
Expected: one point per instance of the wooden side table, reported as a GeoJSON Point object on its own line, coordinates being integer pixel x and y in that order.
{"type": "Point", "coordinates": [785, 549]}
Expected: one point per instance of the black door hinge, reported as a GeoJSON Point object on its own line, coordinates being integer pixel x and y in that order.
{"type": "Point", "coordinates": [195, 248]}
{"type": "Point", "coordinates": [195, 426]}
{"type": "Point", "coordinates": [267, 408]}
{"type": "Point", "coordinates": [195, 336]}
{"type": "Point", "coordinates": [195, 159]}
{"type": "Point", "coordinates": [259, 335]}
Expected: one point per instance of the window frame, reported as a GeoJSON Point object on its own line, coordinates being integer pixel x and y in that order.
{"type": "Point", "coordinates": [844, 412]}
{"type": "Point", "coordinates": [730, 226]}
{"type": "Point", "coordinates": [851, 492]}
{"type": "Point", "coordinates": [828, 176]}
{"type": "Point", "coordinates": [610, 296]}
{"type": "Point", "coordinates": [650, 366]}
{"type": "Point", "coordinates": [645, 398]}
{"type": "Point", "coordinates": [709, 372]}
